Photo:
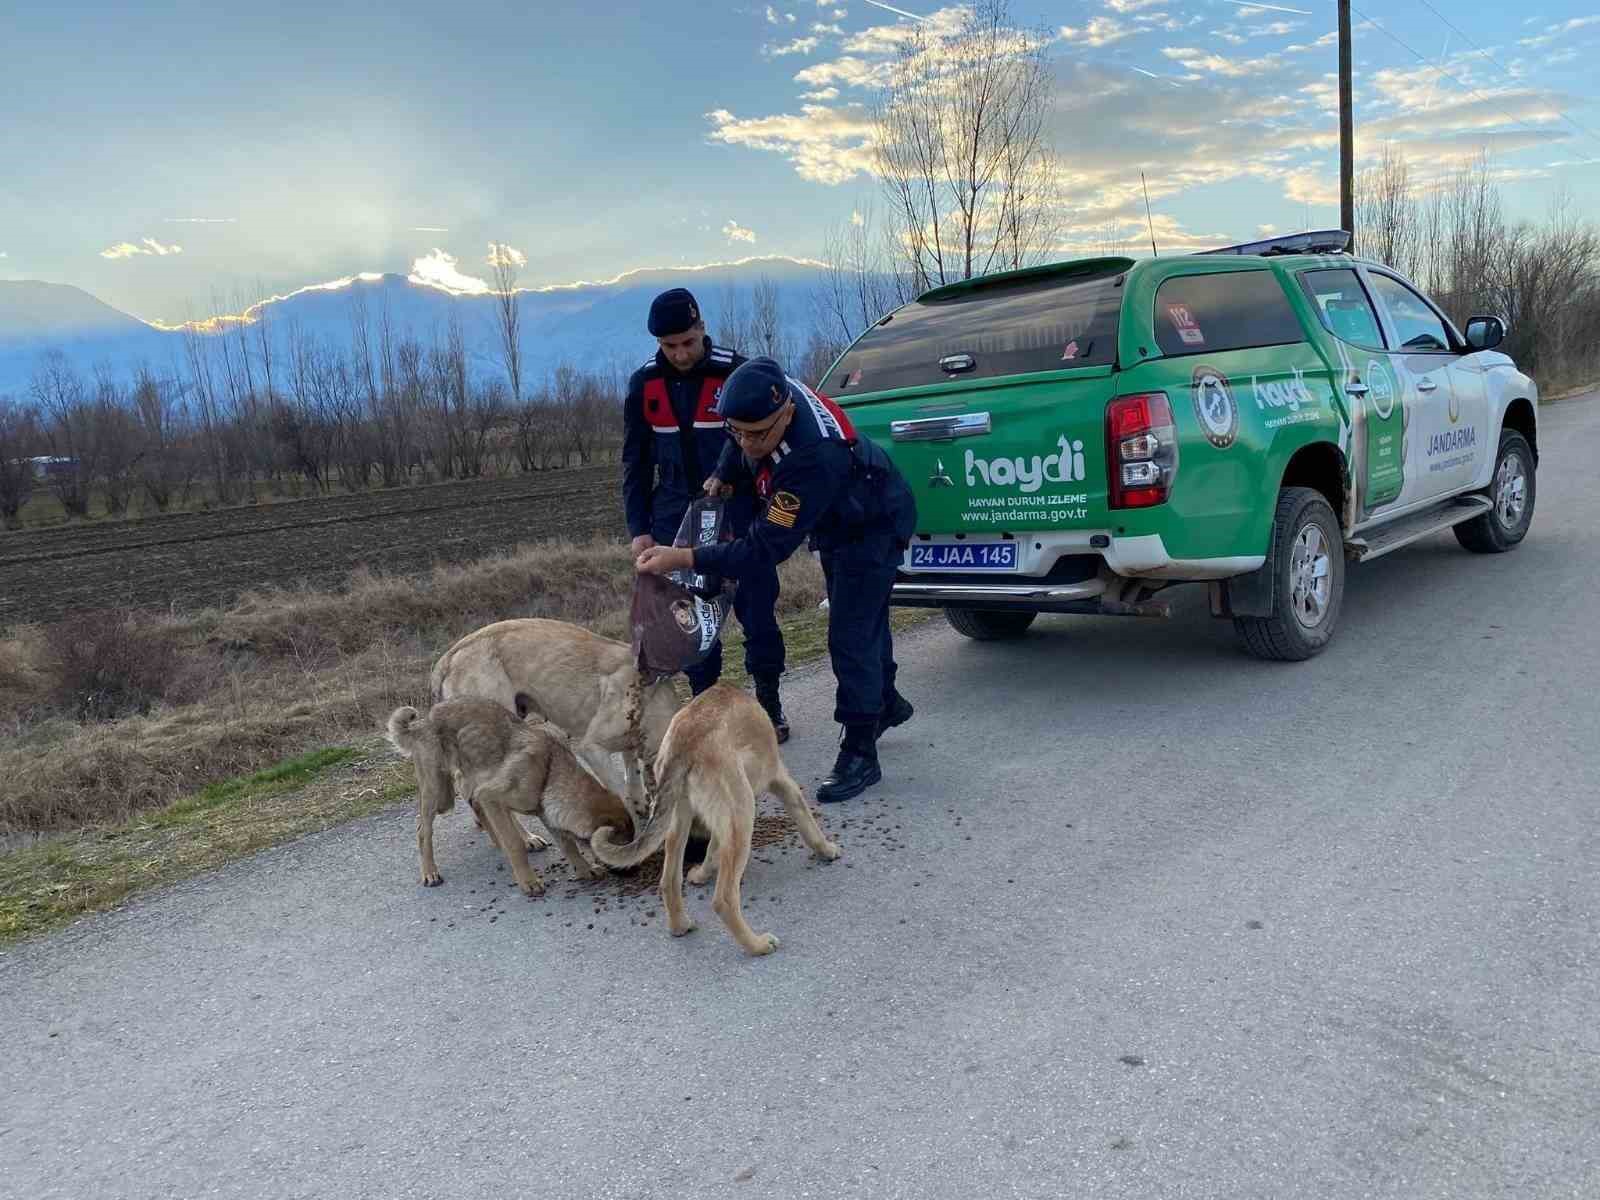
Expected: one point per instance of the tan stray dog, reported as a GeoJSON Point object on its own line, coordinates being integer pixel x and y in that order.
{"type": "Point", "coordinates": [505, 766]}
{"type": "Point", "coordinates": [720, 752]}
{"type": "Point", "coordinates": [585, 684]}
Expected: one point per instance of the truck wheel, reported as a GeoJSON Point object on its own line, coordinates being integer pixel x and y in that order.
{"type": "Point", "coordinates": [1307, 561]}
{"type": "Point", "coordinates": [990, 625]}
{"type": "Point", "coordinates": [1511, 491]}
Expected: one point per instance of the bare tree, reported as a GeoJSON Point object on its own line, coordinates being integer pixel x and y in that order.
{"type": "Point", "coordinates": [19, 442]}
{"type": "Point", "coordinates": [210, 411]}
{"type": "Point", "coordinates": [959, 143]}
{"type": "Point", "coordinates": [167, 466]}
{"type": "Point", "coordinates": [766, 320]}
{"type": "Point", "coordinates": [821, 351]}
{"type": "Point", "coordinates": [305, 426]}
{"type": "Point", "coordinates": [1388, 214]}
{"type": "Point", "coordinates": [115, 433]}
{"type": "Point", "coordinates": [505, 261]}
{"type": "Point", "coordinates": [734, 323]}
{"type": "Point", "coordinates": [859, 282]}
{"type": "Point", "coordinates": [59, 394]}
{"type": "Point", "coordinates": [1547, 288]}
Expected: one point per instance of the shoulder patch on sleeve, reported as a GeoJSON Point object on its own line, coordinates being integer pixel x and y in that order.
{"type": "Point", "coordinates": [784, 509]}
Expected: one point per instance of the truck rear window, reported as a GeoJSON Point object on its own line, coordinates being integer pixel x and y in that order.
{"type": "Point", "coordinates": [1032, 325]}
{"type": "Point", "coordinates": [1204, 314]}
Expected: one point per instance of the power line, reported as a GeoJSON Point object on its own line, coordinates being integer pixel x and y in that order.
{"type": "Point", "coordinates": [1381, 28]}
{"type": "Point", "coordinates": [1463, 34]}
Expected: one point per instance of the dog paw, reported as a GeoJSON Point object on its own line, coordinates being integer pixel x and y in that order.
{"type": "Point", "coordinates": [536, 843]}
{"type": "Point", "coordinates": [532, 890]}
{"type": "Point", "coordinates": [432, 880]}
{"type": "Point", "coordinates": [698, 875]}
{"type": "Point", "coordinates": [829, 851]}
{"type": "Point", "coordinates": [686, 928]}
{"type": "Point", "coordinates": [766, 943]}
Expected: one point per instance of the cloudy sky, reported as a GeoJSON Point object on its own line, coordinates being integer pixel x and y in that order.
{"type": "Point", "coordinates": [169, 157]}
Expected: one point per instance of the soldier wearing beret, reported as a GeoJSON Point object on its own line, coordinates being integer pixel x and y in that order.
{"type": "Point", "coordinates": [672, 439]}
{"type": "Point", "coordinates": [818, 479]}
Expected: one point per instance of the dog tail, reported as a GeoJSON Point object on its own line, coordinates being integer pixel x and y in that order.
{"type": "Point", "coordinates": [402, 735]}
{"type": "Point", "coordinates": [631, 854]}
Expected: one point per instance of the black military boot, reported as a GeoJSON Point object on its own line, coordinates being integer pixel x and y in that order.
{"type": "Point", "coordinates": [767, 696]}
{"type": "Point", "coordinates": [897, 712]}
{"type": "Point", "coordinates": [856, 768]}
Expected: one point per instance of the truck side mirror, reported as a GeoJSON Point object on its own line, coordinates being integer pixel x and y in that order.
{"type": "Point", "coordinates": [1485, 333]}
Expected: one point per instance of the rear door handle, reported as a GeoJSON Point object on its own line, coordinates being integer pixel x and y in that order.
{"type": "Point", "coordinates": [941, 429]}
{"type": "Point", "coordinates": [1356, 388]}
{"type": "Point", "coordinates": [1427, 385]}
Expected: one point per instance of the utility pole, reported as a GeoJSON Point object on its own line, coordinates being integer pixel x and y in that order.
{"type": "Point", "coordinates": [1347, 153]}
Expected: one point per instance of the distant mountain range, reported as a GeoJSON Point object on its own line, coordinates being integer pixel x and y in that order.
{"type": "Point", "coordinates": [588, 324]}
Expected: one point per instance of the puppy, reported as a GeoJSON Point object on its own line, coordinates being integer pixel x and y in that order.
{"type": "Point", "coordinates": [719, 753]}
{"type": "Point", "coordinates": [505, 766]}
{"type": "Point", "coordinates": [586, 685]}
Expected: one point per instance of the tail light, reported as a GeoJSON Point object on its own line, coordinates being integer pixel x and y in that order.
{"type": "Point", "coordinates": [1141, 450]}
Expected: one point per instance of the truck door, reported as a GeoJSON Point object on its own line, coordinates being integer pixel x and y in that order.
{"type": "Point", "coordinates": [1446, 437]}
{"type": "Point", "coordinates": [1376, 402]}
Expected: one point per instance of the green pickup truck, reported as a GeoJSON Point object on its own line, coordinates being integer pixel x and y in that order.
{"type": "Point", "coordinates": [1084, 435]}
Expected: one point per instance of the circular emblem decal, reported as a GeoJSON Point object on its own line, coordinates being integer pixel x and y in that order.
{"type": "Point", "coordinates": [1214, 406]}
{"type": "Point", "coordinates": [1380, 388]}
{"type": "Point", "coordinates": [683, 613]}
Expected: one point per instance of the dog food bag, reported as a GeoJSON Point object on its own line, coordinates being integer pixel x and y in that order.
{"type": "Point", "coordinates": [678, 617]}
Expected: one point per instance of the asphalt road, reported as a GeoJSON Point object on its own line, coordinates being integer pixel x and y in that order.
{"type": "Point", "coordinates": [1132, 916]}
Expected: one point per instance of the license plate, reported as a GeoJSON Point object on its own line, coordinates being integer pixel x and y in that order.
{"type": "Point", "coordinates": [963, 556]}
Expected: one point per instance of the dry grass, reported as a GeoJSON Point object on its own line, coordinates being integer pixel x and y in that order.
{"type": "Point", "coordinates": [277, 674]}
{"type": "Point", "coordinates": [46, 882]}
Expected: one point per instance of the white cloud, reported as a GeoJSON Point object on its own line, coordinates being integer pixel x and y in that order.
{"type": "Point", "coordinates": [1236, 36]}
{"type": "Point", "coordinates": [1266, 231]}
{"type": "Point", "coordinates": [734, 232]}
{"type": "Point", "coordinates": [510, 256]}
{"type": "Point", "coordinates": [146, 246]}
{"type": "Point", "coordinates": [856, 219]}
{"type": "Point", "coordinates": [803, 45]}
{"type": "Point", "coordinates": [429, 229]}
{"type": "Point", "coordinates": [1326, 40]}
{"type": "Point", "coordinates": [850, 71]}
{"type": "Point", "coordinates": [886, 39]}
{"type": "Point", "coordinates": [1310, 186]}
{"type": "Point", "coordinates": [1232, 68]}
{"type": "Point", "coordinates": [1558, 31]}
{"type": "Point", "coordinates": [438, 269]}
{"type": "Point", "coordinates": [200, 220]}
{"type": "Point", "coordinates": [1324, 93]}
{"type": "Point", "coordinates": [826, 145]}
{"type": "Point", "coordinates": [772, 15]}
{"type": "Point", "coordinates": [1262, 117]}
{"type": "Point", "coordinates": [819, 27]}
{"type": "Point", "coordinates": [1100, 31]}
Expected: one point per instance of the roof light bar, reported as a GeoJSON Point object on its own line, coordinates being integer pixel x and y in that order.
{"type": "Point", "coordinates": [1324, 241]}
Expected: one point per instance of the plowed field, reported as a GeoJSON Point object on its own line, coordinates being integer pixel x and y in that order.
{"type": "Point", "coordinates": [191, 560]}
